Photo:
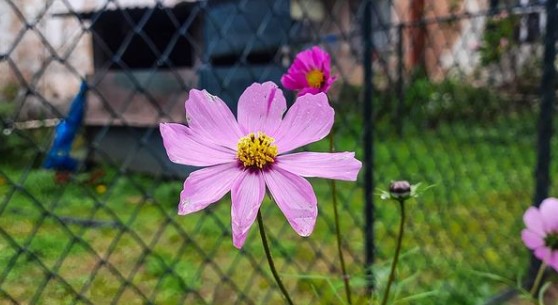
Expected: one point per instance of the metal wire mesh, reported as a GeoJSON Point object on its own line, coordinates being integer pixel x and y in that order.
{"type": "Point", "coordinates": [454, 93]}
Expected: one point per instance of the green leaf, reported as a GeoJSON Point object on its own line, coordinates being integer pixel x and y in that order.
{"type": "Point", "coordinates": [415, 297]}
{"type": "Point", "coordinates": [543, 290]}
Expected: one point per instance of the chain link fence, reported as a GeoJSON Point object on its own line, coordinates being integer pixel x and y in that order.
{"type": "Point", "coordinates": [446, 93]}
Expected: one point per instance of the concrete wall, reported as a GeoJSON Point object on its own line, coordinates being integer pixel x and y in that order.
{"type": "Point", "coordinates": [53, 54]}
{"type": "Point", "coordinates": [50, 56]}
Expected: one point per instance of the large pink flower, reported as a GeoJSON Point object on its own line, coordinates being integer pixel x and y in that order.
{"type": "Point", "coordinates": [247, 156]}
{"type": "Point", "coordinates": [309, 73]}
{"type": "Point", "coordinates": [541, 234]}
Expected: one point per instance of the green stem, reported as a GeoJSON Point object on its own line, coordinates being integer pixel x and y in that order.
{"type": "Point", "coordinates": [538, 280]}
{"type": "Point", "coordinates": [397, 250]}
{"type": "Point", "coordinates": [270, 259]}
{"type": "Point", "coordinates": [338, 230]}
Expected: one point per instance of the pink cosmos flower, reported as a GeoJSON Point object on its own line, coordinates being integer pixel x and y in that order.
{"type": "Point", "coordinates": [309, 73]}
{"type": "Point", "coordinates": [541, 234]}
{"type": "Point", "coordinates": [253, 154]}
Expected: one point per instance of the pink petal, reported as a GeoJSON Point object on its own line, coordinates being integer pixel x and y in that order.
{"type": "Point", "coordinates": [321, 59]}
{"type": "Point", "coordinates": [295, 197]}
{"type": "Point", "coordinates": [309, 90]}
{"type": "Point", "coordinates": [549, 214]}
{"type": "Point", "coordinates": [327, 85]}
{"type": "Point", "coordinates": [553, 262]}
{"type": "Point", "coordinates": [532, 240]}
{"type": "Point", "coordinates": [210, 117]}
{"type": "Point", "coordinates": [304, 61]}
{"type": "Point", "coordinates": [308, 120]}
{"type": "Point", "coordinates": [247, 194]}
{"type": "Point", "coordinates": [341, 166]}
{"type": "Point", "coordinates": [294, 80]}
{"type": "Point", "coordinates": [206, 186]}
{"type": "Point", "coordinates": [183, 146]}
{"type": "Point", "coordinates": [260, 108]}
{"type": "Point", "coordinates": [543, 253]}
{"type": "Point", "coordinates": [533, 220]}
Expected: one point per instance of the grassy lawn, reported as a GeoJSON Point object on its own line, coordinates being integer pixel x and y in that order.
{"type": "Point", "coordinates": [126, 245]}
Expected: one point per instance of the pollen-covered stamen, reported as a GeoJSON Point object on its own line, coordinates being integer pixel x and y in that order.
{"type": "Point", "coordinates": [551, 241]}
{"type": "Point", "coordinates": [315, 78]}
{"type": "Point", "coordinates": [256, 150]}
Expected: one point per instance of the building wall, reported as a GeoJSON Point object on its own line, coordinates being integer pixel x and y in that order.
{"type": "Point", "coordinates": [56, 53]}
{"type": "Point", "coordinates": [50, 56]}
{"type": "Point", "coordinates": [441, 45]}
{"type": "Point", "coordinates": [34, 58]}
{"type": "Point", "coordinates": [53, 54]}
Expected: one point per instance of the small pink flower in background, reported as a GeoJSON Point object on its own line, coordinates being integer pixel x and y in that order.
{"type": "Point", "coordinates": [474, 45]}
{"type": "Point", "coordinates": [309, 73]}
{"type": "Point", "coordinates": [249, 155]}
{"type": "Point", "coordinates": [504, 43]}
{"type": "Point", "coordinates": [541, 234]}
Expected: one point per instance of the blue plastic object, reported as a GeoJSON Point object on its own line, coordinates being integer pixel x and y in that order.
{"type": "Point", "coordinates": [58, 157]}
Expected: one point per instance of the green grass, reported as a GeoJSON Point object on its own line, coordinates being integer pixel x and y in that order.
{"type": "Point", "coordinates": [470, 221]}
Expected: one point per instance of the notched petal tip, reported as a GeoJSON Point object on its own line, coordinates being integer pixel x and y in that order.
{"type": "Point", "coordinates": [338, 166]}
{"type": "Point", "coordinates": [186, 206]}
{"type": "Point", "coordinates": [247, 195]}
{"type": "Point", "coordinates": [194, 91]}
{"type": "Point", "coordinates": [270, 84]}
{"type": "Point", "coordinates": [267, 86]}
{"type": "Point", "coordinates": [210, 117]}
{"type": "Point", "coordinates": [169, 134]}
{"type": "Point", "coordinates": [308, 120]}
{"type": "Point", "coordinates": [261, 108]}
{"type": "Point", "coordinates": [183, 208]}
{"type": "Point", "coordinates": [304, 225]}
{"type": "Point", "coordinates": [183, 146]}
{"type": "Point", "coordinates": [239, 240]}
{"type": "Point", "coordinates": [295, 197]}
{"type": "Point", "coordinates": [307, 230]}
{"type": "Point", "coordinates": [320, 51]}
{"type": "Point", "coordinates": [163, 127]}
{"type": "Point", "coordinates": [318, 97]}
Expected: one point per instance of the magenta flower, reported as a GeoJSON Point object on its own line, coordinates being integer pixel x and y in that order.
{"type": "Point", "coordinates": [309, 73]}
{"type": "Point", "coordinates": [541, 234]}
{"type": "Point", "coordinates": [247, 156]}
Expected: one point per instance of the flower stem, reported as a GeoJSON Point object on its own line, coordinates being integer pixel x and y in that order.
{"type": "Point", "coordinates": [338, 230]}
{"type": "Point", "coordinates": [538, 280]}
{"type": "Point", "coordinates": [397, 250]}
{"type": "Point", "coordinates": [270, 259]}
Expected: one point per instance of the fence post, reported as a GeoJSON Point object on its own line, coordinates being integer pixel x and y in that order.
{"type": "Point", "coordinates": [548, 100]}
{"type": "Point", "coordinates": [368, 146]}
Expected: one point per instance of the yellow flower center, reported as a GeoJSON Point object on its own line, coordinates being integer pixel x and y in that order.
{"type": "Point", "coordinates": [315, 78]}
{"type": "Point", "coordinates": [256, 150]}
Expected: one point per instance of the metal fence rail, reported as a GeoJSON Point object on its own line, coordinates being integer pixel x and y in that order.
{"type": "Point", "coordinates": [458, 94]}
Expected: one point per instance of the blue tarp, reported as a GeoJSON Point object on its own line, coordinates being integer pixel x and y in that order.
{"type": "Point", "coordinates": [58, 157]}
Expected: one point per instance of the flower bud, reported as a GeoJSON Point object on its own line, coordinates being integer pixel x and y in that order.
{"type": "Point", "coordinates": [400, 189]}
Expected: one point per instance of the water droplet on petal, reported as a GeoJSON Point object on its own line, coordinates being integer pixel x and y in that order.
{"type": "Point", "coordinates": [212, 98]}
